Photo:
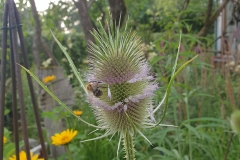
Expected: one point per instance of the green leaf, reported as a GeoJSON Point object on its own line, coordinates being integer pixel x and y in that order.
{"type": "Point", "coordinates": [174, 74]}
{"type": "Point", "coordinates": [165, 151]}
{"type": "Point", "coordinates": [6, 111]}
{"type": "Point", "coordinates": [155, 60]}
{"type": "Point", "coordinates": [163, 134]}
{"type": "Point", "coordinates": [55, 97]}
{"type": "Point", "coordinates": [49, 115]}
{"type": "Point", "coordinates": [9, 149]}
{"type": "Point", "coordinates": [75, 71]}
{"type": "Point", "coordinates": [207, 119]}
{"type": "Point", "coordinates": [192, 129]}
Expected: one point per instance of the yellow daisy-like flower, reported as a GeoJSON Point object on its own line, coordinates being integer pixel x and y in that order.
{"type": "Point", "coordinates": [48, 79]}
{"type": "Point", "coordinates": [64, 137]}
{"type": "Point", "coordinates": [4, 139]}
{"type": "Point", "coordinates": [77, 112]}
{"type": "Point", "coordinates": [23, 156]}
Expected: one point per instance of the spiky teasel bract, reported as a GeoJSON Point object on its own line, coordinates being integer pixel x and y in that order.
{"type": "Point", "coordinates": [117, 62]}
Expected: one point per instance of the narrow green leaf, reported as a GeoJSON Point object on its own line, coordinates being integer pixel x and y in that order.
{"type": "Point", "coordinates": [55, 97]}
{"type": "Point", "coordinates": [192, 129]}
{"type": "Point", "coordinates": [75, 71]}
{"type": "Point", "coordinates": [165, 151]}
{"type": "Point", "coordinates": [169, 86]}
{"type": "Point", "coordinates": [207, 119]}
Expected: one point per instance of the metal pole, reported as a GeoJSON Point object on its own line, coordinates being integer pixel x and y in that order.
{"type": "Point", "coordinates": [3, 76]}
{"type": "Point", "coordinates": [30, 84]}
{"type": "Point", "coordinates": [13, 27]}
{"type": "Point", "coordinates": [14, 102]}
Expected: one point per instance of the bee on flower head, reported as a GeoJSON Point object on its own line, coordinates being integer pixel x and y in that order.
{"type": "Point", "coordinates": [93, 87]}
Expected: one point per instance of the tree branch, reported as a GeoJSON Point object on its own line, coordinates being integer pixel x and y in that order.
{"type": "Point", "coordinates": [118, 9]}
{"type": "Point", "coordinates": [229, 144]}
{"type": "Point", "coordinates": [89, 4]}
{"type": "Point", "coordinates": [38, 37]}
{"type": "Point", "coordinates": [211, 20]}
{"type": "Point", "coordinates": [209, 10]}
{"type": "Point", "coordinates": [218, 11]}
{"type": "Point", "coordinates": [86, 22]}
{"type": "Point", "coordinates": [185, 5]}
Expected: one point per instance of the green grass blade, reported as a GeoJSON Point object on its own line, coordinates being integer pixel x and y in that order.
{"type": "Point", "coordinates": [76, 73]}
{"type": "Point", "coordinates": [207, 120]}
{"type": "Point", "coordinates": [173, 72]}
{"type": "Point", "coordinates": [169, 88]}
{"type": "Point", "coordinates": [192, 129]}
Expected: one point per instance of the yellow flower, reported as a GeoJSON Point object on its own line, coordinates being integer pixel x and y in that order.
{"type": "Point", "coordinates": [4, 139]}
{"type": "Point", "coordinates": [64, 137]}
{"type": "Point", "coordinates": [23, 156]}
{"type": "Point", "coordinates": [77, 112]}
{"type": "Point", "coordinates": [48, 79]}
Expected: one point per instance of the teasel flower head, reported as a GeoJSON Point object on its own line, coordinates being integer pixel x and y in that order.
{"type": "Point", "coordinates": [122, 74]}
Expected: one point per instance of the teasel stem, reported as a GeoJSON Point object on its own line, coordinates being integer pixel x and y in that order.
{"type": "Point", "coordinates": [128, 146]}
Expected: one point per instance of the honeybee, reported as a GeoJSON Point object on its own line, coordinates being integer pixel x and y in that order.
{"type": "Point", "coordinates": [93, 87]}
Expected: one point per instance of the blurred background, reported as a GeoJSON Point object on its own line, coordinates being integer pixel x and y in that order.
{"type": "Point", "coordinates": [202, 98]}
